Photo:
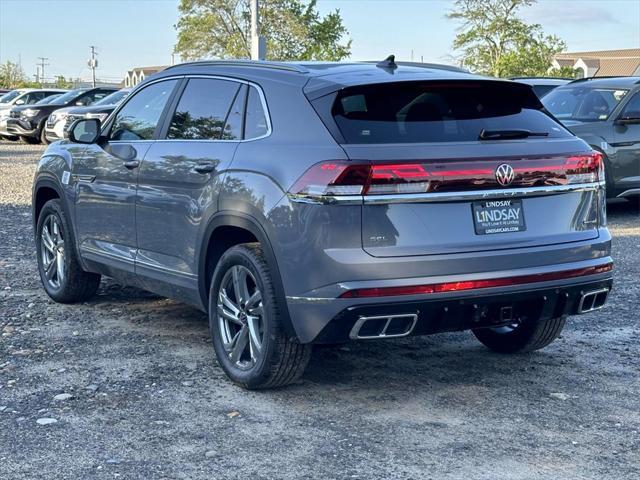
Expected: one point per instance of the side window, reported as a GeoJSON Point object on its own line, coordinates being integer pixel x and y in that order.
{"type": "Point", "coordinates": [139, 117]}
{"type": "Point", "coordinates": [33, 97]}
{"type": "Point", "coordinates": [255, 118]}
{"type": "Point", "coordinates": [632, 108]}
{"type": "Point", "coordinates": [203, 108]}
{"type": "Point", "coordinates": [233, 127]}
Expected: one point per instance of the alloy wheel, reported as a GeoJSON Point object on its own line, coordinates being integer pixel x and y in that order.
{"type": "Point", "coordinates": [52, 251]}
{"type": "Point", "coordinates": [240, 317]}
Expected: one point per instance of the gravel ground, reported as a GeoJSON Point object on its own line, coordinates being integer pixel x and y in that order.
{"type": "Point", "coordinates": [132, 385]}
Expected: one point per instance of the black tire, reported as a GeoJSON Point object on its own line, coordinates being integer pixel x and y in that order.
{"type": "Point", "coordinates": [29, 140]}
{"type": "Point", "coordinates": [281, 360]}
{"type": "Point", "coordinates": [43, 135]}
{"type": "Point", "coordinates": [74, 285]}
{"type": "Point", "coordinates": [525, 337]}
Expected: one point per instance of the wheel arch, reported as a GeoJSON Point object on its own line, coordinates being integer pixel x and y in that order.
{"type": "Point", "coordinates": [226, 230]}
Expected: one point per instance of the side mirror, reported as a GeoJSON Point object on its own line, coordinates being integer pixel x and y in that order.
{"type": "Point", "coordinates": [79, 103]}
{"type": "Point", "coordinates": [20, 102]}
{"type": "Point", "coordinates": [85, 130]}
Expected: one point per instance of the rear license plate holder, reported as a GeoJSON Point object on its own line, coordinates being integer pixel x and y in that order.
{"type": "Point", "coordinates": [498, 216]}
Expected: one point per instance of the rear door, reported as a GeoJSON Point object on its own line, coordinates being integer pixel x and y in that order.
{"type": "Point", "coordinates": [436, 187]}
{"type": "Point", "coordinates": [626, 165]}
{"type": "Point", "coordinates": [180, 179]}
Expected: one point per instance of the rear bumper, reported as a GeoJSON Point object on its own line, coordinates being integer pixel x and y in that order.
{"type": "Point", "coordinates": [321, 316]}
{"type": "Point", "coordinates": [479, 310]}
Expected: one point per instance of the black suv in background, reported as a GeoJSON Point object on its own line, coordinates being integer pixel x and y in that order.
{"type": "Point", "coordinates": [28, 122]}
{"type": "Point", "coordinates": [605, 113]}
{"type": "Point", "coordinates": [58, 123]}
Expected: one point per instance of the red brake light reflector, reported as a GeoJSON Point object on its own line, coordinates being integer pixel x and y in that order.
{"type": "Point", "coordinates": [475, 284]}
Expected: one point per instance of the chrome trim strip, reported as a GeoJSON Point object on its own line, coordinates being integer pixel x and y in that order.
{"type": "Point", "coordinates": [435, 197]}
{"type": "Point", "coordinates": [481, 194]}
{"type": "Point", "coordinates": [160, 268]}
{"type": "Point", "coordinates": [629, 193]}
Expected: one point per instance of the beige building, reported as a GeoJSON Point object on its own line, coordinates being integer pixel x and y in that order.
{"type": "Point", "coordinates": [138, 74]}
{"type": "Point", "coordinates": [602, 63]}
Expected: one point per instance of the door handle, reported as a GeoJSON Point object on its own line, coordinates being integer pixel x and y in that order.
{"type": "Point", "coordinates": [131, 164]}
{"type": "Point", "coordinates": [205, 168]}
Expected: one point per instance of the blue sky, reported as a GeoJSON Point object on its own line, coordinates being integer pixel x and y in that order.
{"type": "Point", "coordinates": [140, 32]}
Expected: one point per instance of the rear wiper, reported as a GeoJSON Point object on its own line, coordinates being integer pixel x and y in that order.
{"type": "Point", "coordinates": [509, 134]}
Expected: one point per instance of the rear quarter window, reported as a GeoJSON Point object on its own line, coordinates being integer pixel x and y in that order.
{"type": "Point", "coordinates": [417, 112]}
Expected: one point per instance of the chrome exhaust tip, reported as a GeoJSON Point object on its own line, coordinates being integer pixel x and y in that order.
{"type": "Point", "coordinates": [593, 300]}
{"type": "Point", "coordinates": [383, 326]}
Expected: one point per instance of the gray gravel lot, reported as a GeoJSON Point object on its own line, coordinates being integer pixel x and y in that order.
{"type": "Point", "coordinates": [147, 399]}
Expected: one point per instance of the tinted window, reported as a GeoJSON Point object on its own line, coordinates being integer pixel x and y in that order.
{"type": "Point", "coordinates": [415, 112]}
{"type": "Point", "coordinates": [233, 127]}
{"type": "Point", "coordinates": [113, 98]}
{"type": "Point", "coordinates": [7, 97]}
{"type": "Point", "coordinates": [256, 119]}
{"type": "Point", "coordinates": [33, 97]}
{"type": "Point", "coordinates": [202, 111]}
{"type": "Point", "coordinates": [139, 117]}
{"type": "Point", "coordinates": [583, 103]}
{"type": "Point", "coordinates": [632, 109]}
{"type": "Point", "coordinates": [542, 90]}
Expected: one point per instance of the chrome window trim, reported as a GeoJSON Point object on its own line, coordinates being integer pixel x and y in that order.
{"type": "Point", "coordinates": [263, 101]}
{"type": "Point", "coordinates": [434, 197]}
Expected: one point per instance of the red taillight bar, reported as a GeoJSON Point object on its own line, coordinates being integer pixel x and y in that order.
{"type": "Point", "coordinates": [475, 284]}
{"type": "Point", "coordinates": [371, 178]}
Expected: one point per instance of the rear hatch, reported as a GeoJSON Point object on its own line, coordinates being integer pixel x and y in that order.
{"type": "Point", "coordinates": [459, 166]}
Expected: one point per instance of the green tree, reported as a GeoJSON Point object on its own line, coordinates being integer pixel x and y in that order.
{"type": "Point", "coordinates": [494, 41]}
{"type": "Point", "coordinates": [12, 75]}
{"type": "Point", "coordinates": [294, 30]}
{"type": "Point", "coordinates": [62, 82]}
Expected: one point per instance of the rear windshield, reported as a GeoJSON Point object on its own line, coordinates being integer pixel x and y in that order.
{"type": "Point", "coordinates": [417, 112]}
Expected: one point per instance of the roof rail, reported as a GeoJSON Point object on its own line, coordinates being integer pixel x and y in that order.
{"type": "Point", "coordinates": [542, 78]}
{"type": "Point", "coordinates": [290, 67]}
{"type": "Point", "coordinates": [437, 66]}
{"type": "Point", "coordinates": [604, 77]}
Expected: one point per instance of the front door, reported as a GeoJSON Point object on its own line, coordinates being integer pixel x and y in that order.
{"type": "Point", "coordinates": [179, 182]}
{"type": "Point", "coordinates": [106, 179]}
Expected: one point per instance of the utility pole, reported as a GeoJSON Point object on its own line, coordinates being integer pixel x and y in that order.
{"type": "Point", "coordinates": [258, 43]}
{"type": "Point", "coordinates": [42, 64]}
{"type": "Point", "coordinates": [93, 64]}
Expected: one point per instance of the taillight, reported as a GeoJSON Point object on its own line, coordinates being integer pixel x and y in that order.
{"type": "Point", "coordinates": [342, 178]}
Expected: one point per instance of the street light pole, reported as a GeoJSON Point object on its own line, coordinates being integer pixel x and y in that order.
{"type": "Point", "coordinates": [93, 63]}
{"type": "Point", "coordinates": [258, 43]}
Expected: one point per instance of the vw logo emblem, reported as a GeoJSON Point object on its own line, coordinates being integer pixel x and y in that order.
{"type": "Point", "coordinates": [505, 174]}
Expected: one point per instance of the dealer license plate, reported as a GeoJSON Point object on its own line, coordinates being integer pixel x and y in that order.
{"type": "Point", "coordinates": [498, 216]}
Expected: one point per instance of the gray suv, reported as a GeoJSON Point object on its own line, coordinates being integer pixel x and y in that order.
{"type": "Point", "coordinates": [327, 202]}
{"type": "Point", "coordinates": [605, 113]}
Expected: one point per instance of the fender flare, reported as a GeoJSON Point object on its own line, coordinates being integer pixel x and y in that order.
{"type": "Point", "coordinates": [49, 181]}
{"type": "Point", "coordinates": [249, 223]}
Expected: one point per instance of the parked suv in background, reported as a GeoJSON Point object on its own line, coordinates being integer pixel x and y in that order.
{"type": "Point", "coordinates": [323, 202]}
{"type": "Point", "coordinates": [57, 126]}
{"type": "Point", "coordinates": [29, 123]}
{"type": "Point", "coordinates": [605, 113]}
{"type": "Point", "coordinates": [21, 97]}
{"type": "Point", "coordinates": [542, 85]}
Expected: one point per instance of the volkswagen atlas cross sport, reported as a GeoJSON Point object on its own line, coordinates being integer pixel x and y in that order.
{"type": "Point", "coordinates": [327, 202]}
